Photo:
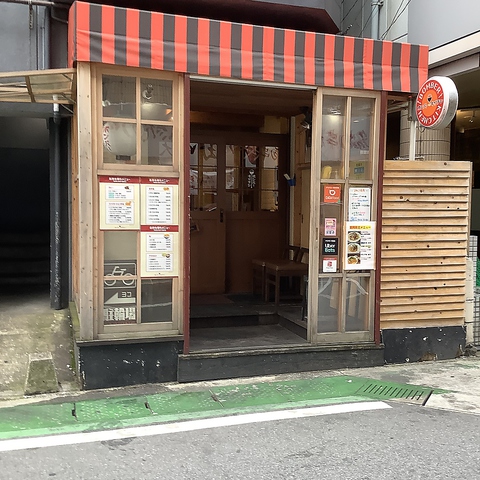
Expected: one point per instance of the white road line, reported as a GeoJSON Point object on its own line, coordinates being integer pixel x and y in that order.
{"type": "Point", "coordinates": [185, 426]}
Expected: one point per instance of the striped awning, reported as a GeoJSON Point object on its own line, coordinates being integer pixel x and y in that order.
{"type": "Point", "coordinates": [136, 38]}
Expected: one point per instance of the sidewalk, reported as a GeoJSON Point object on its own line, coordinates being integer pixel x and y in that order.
{"type": "Point", "coordinates": [451, 385]}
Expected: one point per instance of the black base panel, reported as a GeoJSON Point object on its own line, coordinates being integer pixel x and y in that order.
{"type": "Point", "coordinates": [422, 344]}
{"type": "Point", "coordinates": [120, 365]}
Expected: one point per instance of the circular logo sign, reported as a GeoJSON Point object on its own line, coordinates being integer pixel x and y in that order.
{"type": "Point", "coordinates": [437, 102]}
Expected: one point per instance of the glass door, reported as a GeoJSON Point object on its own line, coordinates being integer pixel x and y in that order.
{"type": "Point", "coordinates": [343, 218]}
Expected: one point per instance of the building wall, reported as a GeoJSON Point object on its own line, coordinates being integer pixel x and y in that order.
{"type": "Point", "coordinates": [393, 20]}
{"type": "Point", "coordinates": [24, 34]}
{"type": "Point", "coordinates": [436, 22]}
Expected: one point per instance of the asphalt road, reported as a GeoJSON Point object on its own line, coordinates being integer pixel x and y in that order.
{"type": "Point", "coordinates": [403, 442]}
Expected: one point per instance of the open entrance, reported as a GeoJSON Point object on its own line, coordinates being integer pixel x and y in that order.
{"type": "Point", "coordinates": [245, 145]}
{"type": "Point", "coordinates": [283, 189]}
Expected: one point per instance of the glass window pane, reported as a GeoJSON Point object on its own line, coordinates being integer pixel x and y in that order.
{"type": "Point", "coordinates": [357, 310]}
{"type": "Point", "coordinates": [118, 96]}
{"type": "Point", "coordinates": [232, 178]}
{"type": "Point", "coordinates": [360, 139]}
{"type": "Point", "coordinates": [157, 145]}
{"type": "Point", "coordinates": [203, 176]}
{"type": "Point", "coordinates": [156, 99]}
{"type": "Point", "coordinates": [269, 179]}
{"type": "Point", "coordinates": [269, 200]}
{"type": "Point", "coordinates": [232, 202]}
{"type": "Point", "coordinates": [329, 300]}
{"type": "Point", "coordinates": [209, 179]}
{"type": "Point", "coordinates": [156, 300]}
{"type": "Point", "coordinates": [120, 278]}
{"type": "Point", "coordinates": [251, 156]}
{"type": "Point", "coordinates": [270, 159]}
{"type": "Point", "coordinates": [121, 246]}
{"type": "Point", "coordinates": [333, 121]}
{"type": "Point", "coordinates": [233, 155]}
{"type": "Point", "coordinates": [208, 154]}
{"type": "Point", "coordinates": [119, 142]}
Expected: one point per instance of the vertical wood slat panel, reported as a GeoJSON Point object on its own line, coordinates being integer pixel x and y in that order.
{"type": "Point", "coordinates": [425, 232]}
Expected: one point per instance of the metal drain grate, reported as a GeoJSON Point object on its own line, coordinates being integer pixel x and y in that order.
{"type": "Point", "coordinates": [391, 391]}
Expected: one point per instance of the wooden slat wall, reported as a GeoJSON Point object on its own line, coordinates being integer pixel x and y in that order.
{"type": "Point", "coordinates": [425, 231]}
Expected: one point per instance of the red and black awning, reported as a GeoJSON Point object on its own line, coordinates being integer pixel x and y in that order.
{"type": "Point", "coordinates": [136, 38]}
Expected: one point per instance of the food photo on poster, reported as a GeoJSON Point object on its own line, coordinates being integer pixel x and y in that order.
{"type": "Point", "coordinates": [360, 246]}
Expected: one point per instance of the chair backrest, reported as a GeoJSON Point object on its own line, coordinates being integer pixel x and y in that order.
{"type": "Point", "coordinates": [302, 255]}
{"type": "Point", "coordinates": [291, 253]}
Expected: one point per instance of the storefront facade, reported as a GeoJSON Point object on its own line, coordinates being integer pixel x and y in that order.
{"type": "Point", "coordinates": [147, 213]}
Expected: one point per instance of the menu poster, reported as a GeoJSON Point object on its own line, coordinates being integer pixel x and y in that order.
{"type": "Point", "coordinates": [359, 204]}
{"type": "Point", "coordinates": [360, 246]}
{"type": "Point", "coordinates": [119, 203]}
{"type": "Point", "coordinates": [159, 201]}
{"type": "Point", "coordinates": [159, 250]}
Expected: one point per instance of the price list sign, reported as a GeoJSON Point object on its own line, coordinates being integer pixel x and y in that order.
{"type": "Point", "coordinates": [160, 201]}
{"type": "Point", "coordinates": [159, 250]}
{"type": "Point", "coordinates": [119, 203]}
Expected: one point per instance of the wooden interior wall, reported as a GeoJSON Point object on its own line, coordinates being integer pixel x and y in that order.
{"type": "Point", "coordinates": [425, 232]}
{"type": "Point", "coordinates": [301, 192]}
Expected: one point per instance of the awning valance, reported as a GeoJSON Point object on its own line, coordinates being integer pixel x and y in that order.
{"type": "Point", "coordinates": [120, 36]}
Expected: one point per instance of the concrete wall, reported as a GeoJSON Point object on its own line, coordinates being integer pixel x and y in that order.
{"type": "Point", "coordinates": [24, 37]}
{"type": "Point", "coordinates": [393, 19]}
{"type": "Point", "coordinates": [427, 22]}
{"type": "Point", "coordinates": [436, 22]}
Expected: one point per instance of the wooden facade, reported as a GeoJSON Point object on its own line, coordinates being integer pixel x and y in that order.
{"type": "Point", "coordinates": [425, 231]}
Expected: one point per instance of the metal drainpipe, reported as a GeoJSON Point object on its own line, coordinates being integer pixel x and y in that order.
{"type": "Point", "coordinates": [39, 3]}
{"type": "Point", "coordinates": [46, 39]}
{"type": "Point", "coordinates": [55, 212]}
{"type": "Point", "coordinates": [376, 4]}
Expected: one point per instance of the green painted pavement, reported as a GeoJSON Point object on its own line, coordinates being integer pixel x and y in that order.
{"type": "Point", "coordinates": [109, 413]}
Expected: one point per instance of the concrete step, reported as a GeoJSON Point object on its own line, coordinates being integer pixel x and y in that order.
{"type": "Point", "coordinates": [196, 367]}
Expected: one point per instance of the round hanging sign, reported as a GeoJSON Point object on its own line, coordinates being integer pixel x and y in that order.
{"type": "Point", "coordinates": [437, 102]}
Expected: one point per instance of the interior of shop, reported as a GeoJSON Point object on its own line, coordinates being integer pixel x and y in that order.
{"type": "Point", "coordinates": [249, 174]}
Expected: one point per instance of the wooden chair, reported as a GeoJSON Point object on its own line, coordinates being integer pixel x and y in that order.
{"type": "Point", "coordinates": [292, 269]}
{"type": "Point", "coordinates": [258, 267]}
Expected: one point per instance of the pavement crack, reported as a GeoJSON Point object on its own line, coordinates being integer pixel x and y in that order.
{"type": "Point", "coordinates": [147, 406]}
{"type": "Point", "coordinates": [74, 411]}
{"type": "Point", "coordinates": [216, 399]}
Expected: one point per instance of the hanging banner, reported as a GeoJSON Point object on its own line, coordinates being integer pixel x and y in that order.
{"type": "Point", "coordinates": [360, 246]}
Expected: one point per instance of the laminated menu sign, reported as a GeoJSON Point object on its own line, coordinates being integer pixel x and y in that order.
{"type": "Point", "coordinates": [120, 213]}
{"type": "Point", "coordinates": [360, 246]}
{"type": "Point", "coordinates": [359, 204]}
{"type": "Point", "coordinates": [159, 247]}
{"type": "Point", "coordinates": [119, 203]}
{"type": "Point", "coordinates": [160, 262]}
{"type": "Point", "coordinates": [160, 198]}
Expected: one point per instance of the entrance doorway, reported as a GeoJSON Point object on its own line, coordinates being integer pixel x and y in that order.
{"type": "Point", "coordinates": [237, 206]}
{"type": "Point", "coordinates": [243, 147]}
